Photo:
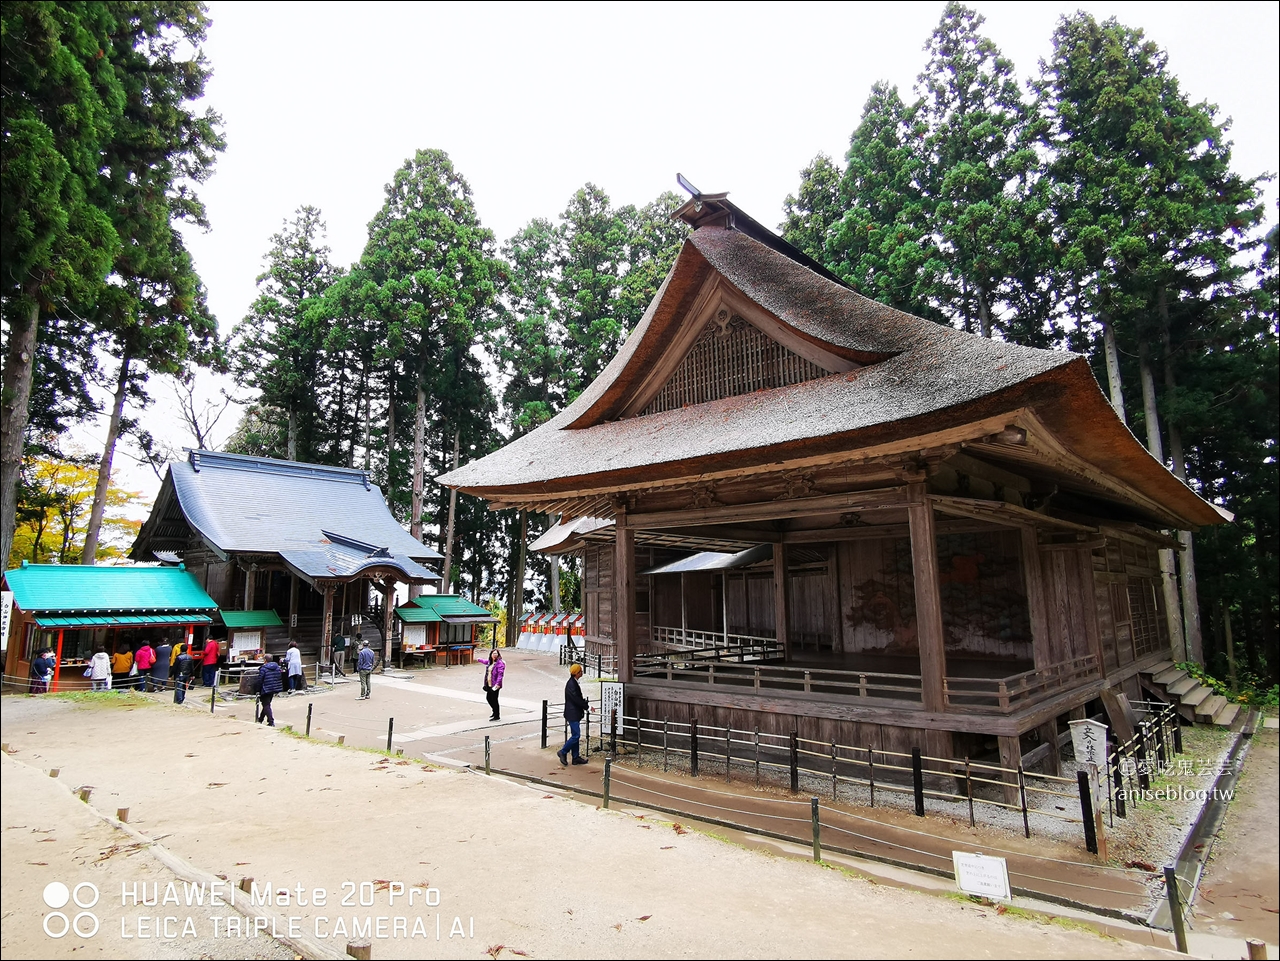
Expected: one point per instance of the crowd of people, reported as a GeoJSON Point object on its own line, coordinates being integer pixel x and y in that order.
{"type": "Point", "coordinates": [137, 667]}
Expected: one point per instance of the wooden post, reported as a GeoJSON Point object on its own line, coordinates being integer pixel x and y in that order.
{"type": "Point", "coordinates": [326, 626]}
{"type": "Point", "coordinates": [924, 562]}
{"type": "Point", "coordinates": [388, 603]}
{"type": "Point", "coordinates": [1041, 649]}
{"type": "Point", "coordinates": [917, 780]}
{"type": "Point", "coordinates": [250, 583]}
{"type": "Point", "coordinates": [781, 608]}
{"type": "Point", "coordinates": [1175, 907]}
{"type": "Point", "coordinates": [1010, 758]}
{"type": "Point", "coordinates": [1049, 736]}
{"type": "Point", "coordinates": [293, 610]}
{"type": "Point", "coordinates": [625, 593]}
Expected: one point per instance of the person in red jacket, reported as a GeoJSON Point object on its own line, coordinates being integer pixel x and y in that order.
{"type": "Point", "coordinates": [209, 661]}
{"type": "Point", "coordinates": [145, 658]}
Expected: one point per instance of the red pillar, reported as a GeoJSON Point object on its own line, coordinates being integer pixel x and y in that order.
{"type": "Point", "coordinates": [57, 669]}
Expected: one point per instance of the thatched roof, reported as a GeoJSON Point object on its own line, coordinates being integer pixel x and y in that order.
{"type": "Point", "coordinates": [908, 377]}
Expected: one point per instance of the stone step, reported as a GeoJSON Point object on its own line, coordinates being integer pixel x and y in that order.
{"type": "Point", "coordinates": [1159, 668]}
{"type": "Point", "coordinates": [1227, 715]}
{"type": "Point", "coordinates": [1195, 696]}
{"type": "Point", "coordinates": [1169, 675]}
{"type": "Point", "coordinates": [1181, 686]}
{"type": "Point", "coordinates": [1210, 706]}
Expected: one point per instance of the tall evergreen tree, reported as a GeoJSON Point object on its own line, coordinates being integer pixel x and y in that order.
{"type": "Point", "coordinates": [815, 207]}
{"type": "Point", "coordinates": [279, 346]}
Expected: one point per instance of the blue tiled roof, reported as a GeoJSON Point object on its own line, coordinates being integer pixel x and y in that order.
{"type": "Point", "coordinates": [71, 588]}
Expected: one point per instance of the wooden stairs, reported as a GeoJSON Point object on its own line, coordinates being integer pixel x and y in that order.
{"type": "Point", "coordinates": [1196, 703]}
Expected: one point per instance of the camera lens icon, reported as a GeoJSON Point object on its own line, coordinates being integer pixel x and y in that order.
{"type": "Point", "coordinates": [57, 896]}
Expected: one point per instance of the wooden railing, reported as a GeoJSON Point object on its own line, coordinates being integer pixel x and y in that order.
{"type": "Point", "coordinates": [1008, 694]}
{"type": "Point", "coordinates": [732, 646]}
{"type": "Point", "coordinates": [711, 666]}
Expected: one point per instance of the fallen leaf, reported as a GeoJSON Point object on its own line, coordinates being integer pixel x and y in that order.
{"type": "Point", "coordinates": [1001, 908]}
{"type": "Point", "coordinates": [380, 884]}
{"type": "Point", "coordinates": [617, 927]}
{"type": "Point", "coordinates": [680, 830]}
{"type": "Point", "coordinates": [546, 796]}
{"type": "Point", "coordinates": [523, 954]}
{"type": "Point", "coordinates": [42, 864]}
{"type": "Point", "coordinates": [213, 784]}
{"type": "Point", "coordinates": [667, 847]}
{"type": "Point", "coordinates": [494, 950]}
{"type": "Point", "coordinates": [645, 917]}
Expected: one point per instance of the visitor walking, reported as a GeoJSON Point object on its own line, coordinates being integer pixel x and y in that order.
{"type": "Point", "coordinates": [339, 654]}
{"type": "Point", "coordinates": [364, 666]}
{"type": "Point", "coordinates": [575, 708]}
{"type": "Point", "coordinates": [493, 672]}
{"type": "Point", "coordinates": [144, 658]}
{"type": "Point", "coordinates": [272, 683]}
{"type": "Point", "coordinates": [42, 668]}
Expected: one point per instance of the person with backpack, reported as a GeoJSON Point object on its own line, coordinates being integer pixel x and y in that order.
{"type": "Point", "coordinates": [183, 667]}
{"type": "Point", "coordinates": [271, 680]}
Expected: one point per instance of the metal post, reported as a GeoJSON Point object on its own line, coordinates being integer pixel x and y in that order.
{"type": "Point", "coordinates": [544, 725]}
{"type": "Point", "coordinates": [487, 768]}
{"type": "Point", "coordinates": [1144, 776]}
{"type": "Point", "coordinates": [391, 726]}
{"type": "Point", "coordinates": [1175, 907]}
{"type": "Point", "coordinates": [599, 665]}
{"type": "Point", "coordinates": [613, 732]}
{"type": "Point", "coordinates": [586, 748]}
{"type": "Point", "coordinates": [817, 830]}
{"type": "Point", "coordinates": [968, 790]}
{"type": "Point", "coordinates": [213, 691]}
{"type": "Point", "coordinates": [1161, 753]}
{"type": "Point", "coordinates": [1086, 812]}
{"type": "Point", "coordinates": [834, 775]}
{"type": "Point", "coordinates": [757, 755]}
{"type": "Point", "coordinates": [728, 751]}
{"type": "Point", "coordinates": [693, 748]}
{"type": "Point", "coordinates": [309, 706]}
{"type": "Point", "coordinates": [917, 780]}
{"type": "Point", "coordinates": [664, 745]}
{"type": "Point", "coordinates": [1022, 792]}
{"type": "Point", "coordinates": [1117, 774]}
{"type": "Point", "coordinates": [795, 762]}
{"type": "Point", "coordinates": [1177, 735]}
{"type": "Point", "coordinates": [608, 770]}
{"type": "Point", "coordinates": [871, 774]}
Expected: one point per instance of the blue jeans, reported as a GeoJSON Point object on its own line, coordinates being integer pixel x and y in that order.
{"type": "Point", "coordinates": [575, 735]}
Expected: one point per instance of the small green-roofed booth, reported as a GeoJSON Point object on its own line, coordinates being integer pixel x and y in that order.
{"type": "Point", "coordinates": [246, 631]}
{"type": "Point", "coordinates": [72, 609]}
{"type": "Point", "coordinates": [445, 627]}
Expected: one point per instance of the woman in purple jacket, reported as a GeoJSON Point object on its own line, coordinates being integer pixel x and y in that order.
{"type": "Point", "coordinates": [493, 680]}
{"type": "Point", "coordinates": [272, 683]}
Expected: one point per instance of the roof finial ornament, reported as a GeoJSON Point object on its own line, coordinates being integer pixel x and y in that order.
{"type": "Point", "coordinates": [683, 181]}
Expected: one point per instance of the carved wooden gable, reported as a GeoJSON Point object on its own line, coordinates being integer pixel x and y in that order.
{"type": "Point", "coordinates": [731, 356]}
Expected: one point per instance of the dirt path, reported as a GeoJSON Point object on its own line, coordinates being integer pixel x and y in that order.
{"type": "Point", "coordinates": [1240, 890]}
{"type": "Point", "coordinates": [511, 865]}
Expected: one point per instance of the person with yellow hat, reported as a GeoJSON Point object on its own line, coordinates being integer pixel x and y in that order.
{"type": "Point", "coordinates": [575, 708]}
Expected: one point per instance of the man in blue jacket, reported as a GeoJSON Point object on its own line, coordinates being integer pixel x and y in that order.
{"type": "Point", "coordinates": [272, 683]}
{"type": "Point", "coordinates": [575, 708]}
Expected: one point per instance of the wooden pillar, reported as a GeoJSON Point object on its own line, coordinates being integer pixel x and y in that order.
{"type": "Point", "coordinates": [326, 626]}
{"type": "Point", "coordinates": [1049, 736]}
{"type": "Point", "coordinates": [684, 612]}
{"type": "Point", "coordinates": [781, 606]}
{"type": "Point", "coordinates": [293, 608]}
{"type": "Point", "coordinates": [388, 603]}
{"type": "Point", "coordinates": [250, 582]}
{"type": "Point", "coordinates": [1011, 757]}
{"type": "Point", "coordinates": [624, 579]}
{"type": "Point", "coordinates": [1037, 608]}
{"type": "Point", "coordinates": [924, 564]}
{"type": "Point", "coordinates": [555, 583]}
{"type": "Point", "coordinates": [724, 605]}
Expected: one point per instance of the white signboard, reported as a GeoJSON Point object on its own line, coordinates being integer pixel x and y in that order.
{"type": "Point", "coordinates": [6, 597]}
{"type": "Point", "coordinates": [982, 876]}
{"type": "Point", "coordinates": [1089, 741]}
{"type": "Point", "coordinates": [242, 641]}
{"type": "Point", "coordinates": [611, 700]}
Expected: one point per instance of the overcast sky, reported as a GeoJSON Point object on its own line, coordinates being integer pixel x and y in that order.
{"type": "Point", "coordinates": [322, 102]}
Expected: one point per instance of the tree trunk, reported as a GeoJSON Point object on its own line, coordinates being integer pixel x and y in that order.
{"type": "Point", "coordinates": [1231, 649]}
{"type": "Point", "coordinates": [1113, 366]}
{"type": "Point", "coordinates": [984, 314]}
{"type": "Point", "coordinates": [419, 445]}
{"type": "Point", "coordinates": [391, 434]}
{"type": "Point", "coordinates": [1149, 409]}
{"type": "Point", "coordinates": [90, 555]}
{"type": "Point", "coordinates": [19, 362]}
{"type": "Point", "coordinates": [555, 583]}
{"type": "Point", "coordinates": [368, 429]}
{"type": "Point", "coordinates": [453, 507]}
{"type": "Point", "coordinates": [292, 442]}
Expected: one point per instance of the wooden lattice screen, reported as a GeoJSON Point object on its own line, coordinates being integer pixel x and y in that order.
{"type": "Point", "coordinates": [731, 357]}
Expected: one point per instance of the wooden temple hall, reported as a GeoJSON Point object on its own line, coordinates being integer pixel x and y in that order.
{"type": "Point", "coordinates": [804, 510]}
{"type": "Point", "coordinates": [289, 551]}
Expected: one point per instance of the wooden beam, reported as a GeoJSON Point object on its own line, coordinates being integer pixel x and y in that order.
{"type": "Point", "coordinates": [293, 608]}
{"type": "Point", "coordinates": [974, 467]}
{"type": "Point", "coordinates": [326, 627]}
{"type": "Point", "coordinates": [781, 607]}
{"type": "Point", "coordinates": [624, 581]}
{"type": "Point", "coordinates": [1002, 512]}
{"type": "Point", "coordinates": [924, 563]}
{"type": "Point", "coordinates": [886, 497]}
{"type": "Point", "coordinates": [1041, 650]}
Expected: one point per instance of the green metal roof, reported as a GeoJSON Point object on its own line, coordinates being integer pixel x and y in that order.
{"type": "Point", "coordinates": [73, 588]}
{"type": "Point", "coordinates": [120, 620]}
{"type": "Point", "coordinates": [251, 619]}
{"type": "Point", "coordinates": [412, 614]}
{"type": "Point", "coordinates": [454, 606]}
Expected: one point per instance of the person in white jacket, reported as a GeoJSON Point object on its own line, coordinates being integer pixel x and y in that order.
{"type": "Point", "coordinates": [293, 667]}
{"type": "Point", "coordinates": [100, 669]}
